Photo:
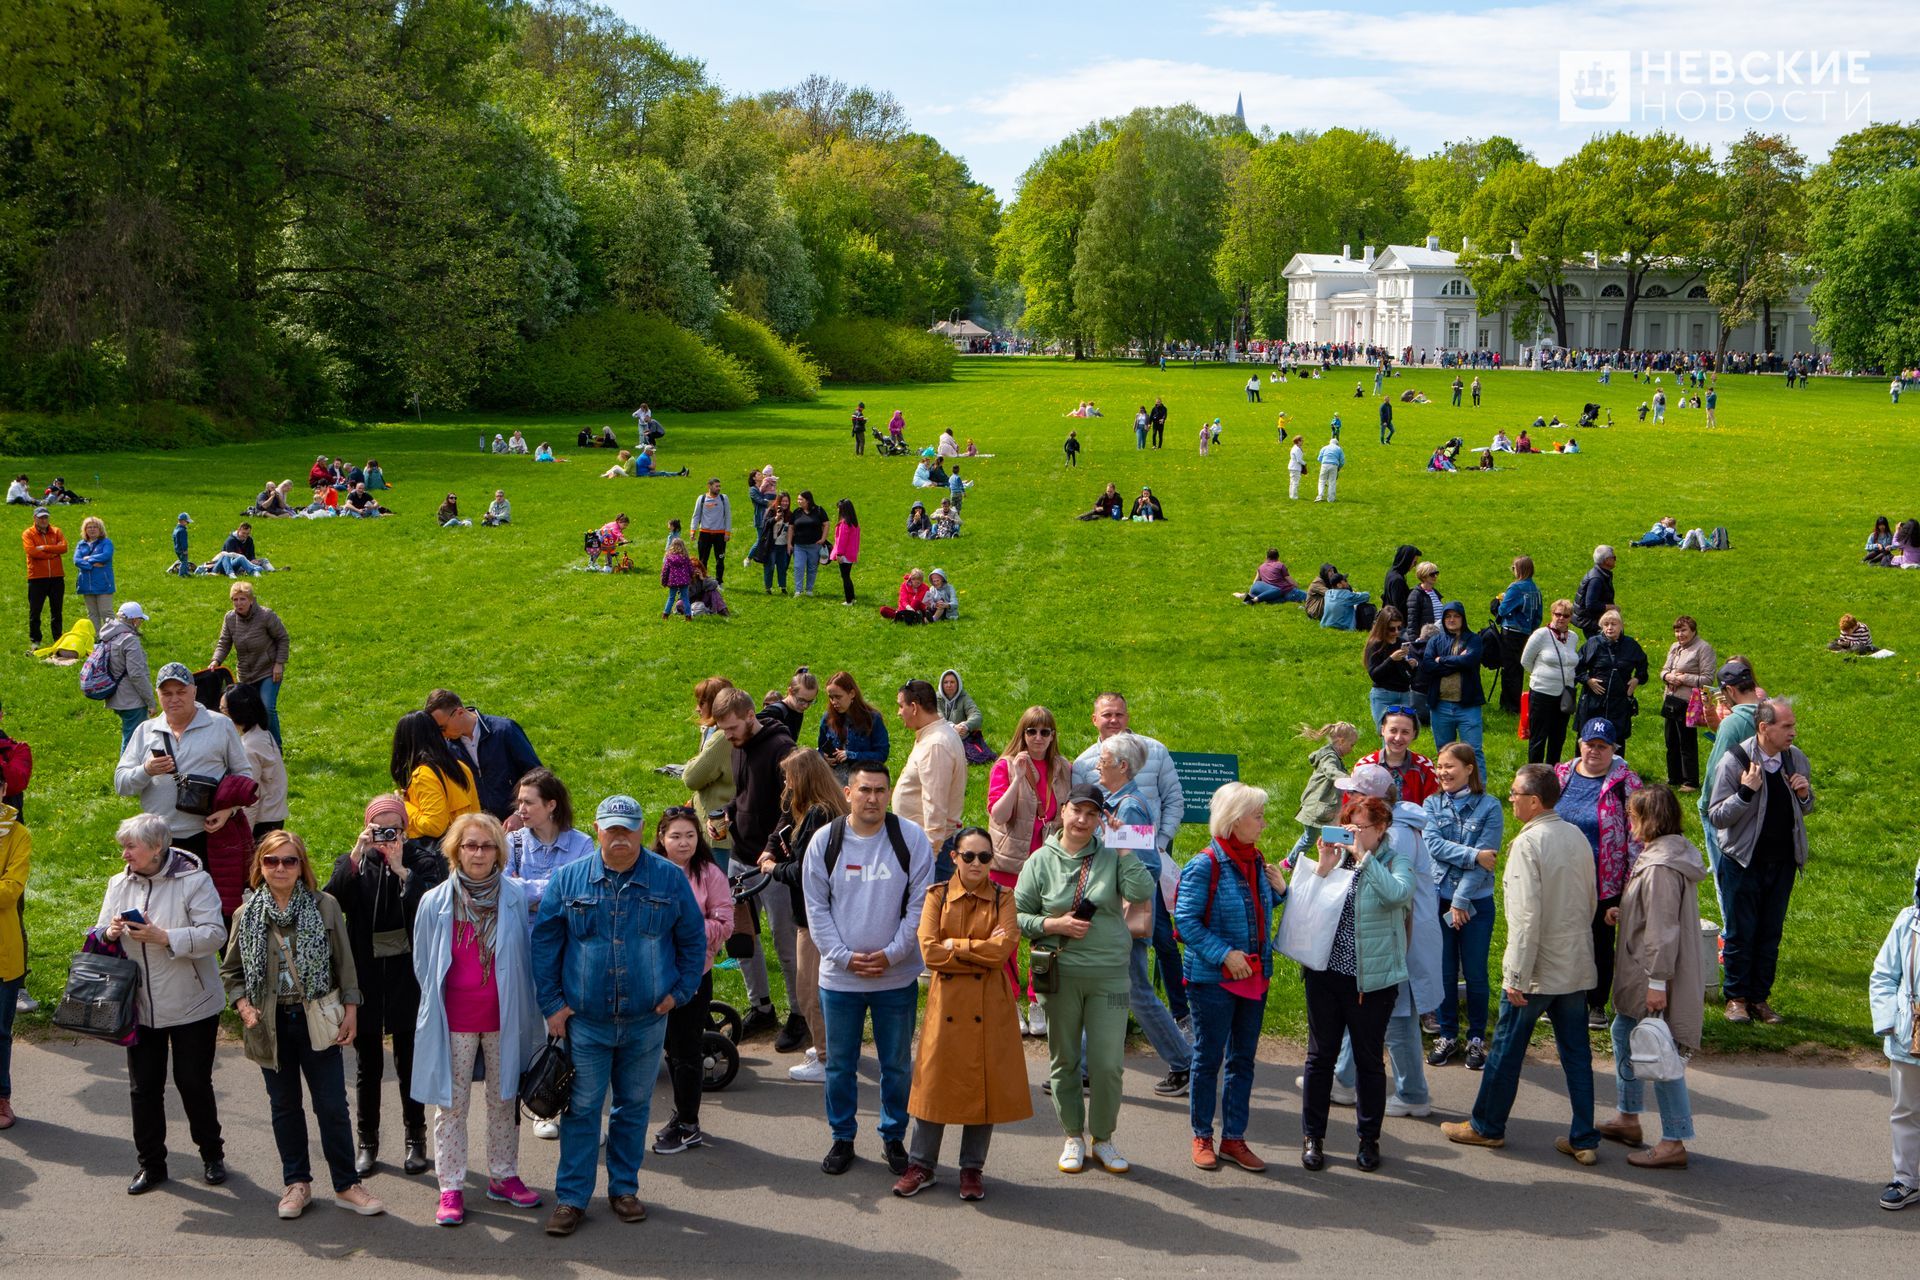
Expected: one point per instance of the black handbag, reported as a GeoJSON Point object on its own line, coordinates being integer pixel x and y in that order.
{"type": "Point", "coordinates": [192, 792]}
{"type": "Point", "coordinates": [546, 1086]}
{"type": "Point", "coordinates": [101, 999]}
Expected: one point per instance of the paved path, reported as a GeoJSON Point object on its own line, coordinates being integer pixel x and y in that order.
{"type": "Point", "coordinates": [1784, 1178]}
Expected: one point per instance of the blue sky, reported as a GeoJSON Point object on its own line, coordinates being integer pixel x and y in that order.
{"type": "Point", "coordinates": [997, 83]}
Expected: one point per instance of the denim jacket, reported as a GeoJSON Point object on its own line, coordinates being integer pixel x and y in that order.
{"type": "Point", "coordinates": [610, 952]}
{"type": "Point", "coordinates": [1457, 829]}
{"type": "Point", "coordinates": [533, 863]}
{"type": "Point", "coordinates": [1520, 607]}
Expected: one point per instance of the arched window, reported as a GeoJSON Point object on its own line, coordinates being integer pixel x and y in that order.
{"type": "Point", "coordinates": [1455, 289]}
{"type": "Point", "coordinates": [1656, 291]}
{"type": "Point", "coordinates": [1698, 291]}
{"type": "Point", "coordinates": [1572, 291]}
{"type": "Point", "coordinates": [1613, 291]}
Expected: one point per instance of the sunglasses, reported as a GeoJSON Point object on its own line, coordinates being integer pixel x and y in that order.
{"type": "Point", "coordinates": [1039, 731]}
{"type": "Point", "coordinates": [678, 811]}
{"type": "Point", "coordinates": [1400, 711]}
{"type": "Point", "coordinates": [288, 861]}
{"type": "Point", "coordinates": [982, 858]}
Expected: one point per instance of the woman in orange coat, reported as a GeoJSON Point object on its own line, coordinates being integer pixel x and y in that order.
{"type": "Point", "coordinates": [970, 1070]}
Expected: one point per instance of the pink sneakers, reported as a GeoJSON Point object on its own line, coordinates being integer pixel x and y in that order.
{"type": "Point", "coordinates": [453, 1209]}
{"type": "Point", "coordinates": [514, 1192]}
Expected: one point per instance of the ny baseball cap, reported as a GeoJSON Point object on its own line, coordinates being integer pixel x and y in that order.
{"type": "Point", "coordinates": [1599, 727]}
{"type": "Point", "coordinates": [619, 811]}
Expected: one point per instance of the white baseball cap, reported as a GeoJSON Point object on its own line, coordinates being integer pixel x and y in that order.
{"type": "Point", "coordinates": [132, 609]}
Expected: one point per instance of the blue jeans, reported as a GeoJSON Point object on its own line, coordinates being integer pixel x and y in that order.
{"type": "Point", "coordinates": [1676, 1108]}
{"type": "Point", "coordinates": [775, 563]}
{"type": "Point", "coordinates": [1140, 436]}
{"type": "Point", "coordinates": [1162, 1032]}
{"type": "Point", "coordinates": [684, 597]}
{"type": "Point", "coordinates": [1267, 593]}
{"type": "Point", "coordinates": [1167, 953]}
{"type": "Point", "coordinates": [1466, 949]}
{"type": "Point", "coordinates": [1501, 1079]}
{"type": "Point", "coordinates": [9, 997]}
{"type": "Point", "coordinates": [846, 1014]}
{"type": "Point", "coordinates": [270, 694]}
{"type": "Point", "coordinates": [623, 1053]}
{"type": "Point", "coordinates": [1403, 1054]}
{"type": "Point", "coordinates": [1453, 722]}
{"type": "Point", "coordinates": [806, 564]}
{"type": "Point", "coordinates": [1224, 1026]}
{"type": "Point", "coordinates": [327, 1081]}
{"type": "Point", "coordinates": [130, 719]}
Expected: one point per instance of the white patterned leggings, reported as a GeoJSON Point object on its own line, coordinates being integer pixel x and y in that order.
{"type": "Point", "coordinates": [450, 1123]}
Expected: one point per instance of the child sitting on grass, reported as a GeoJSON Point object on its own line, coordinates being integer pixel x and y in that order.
{"type": "Point", "coordinates": [676, 575]}
{"type": "Point", "coordinates": [1853, 638]}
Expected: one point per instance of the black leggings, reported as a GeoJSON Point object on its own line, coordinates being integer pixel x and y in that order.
{"type": "Point", "coordinates": [846, 580]}
{"type": "Point", "coordinates": [714, 544]}
{"type": "Point", "coordinates": [686, 1026]}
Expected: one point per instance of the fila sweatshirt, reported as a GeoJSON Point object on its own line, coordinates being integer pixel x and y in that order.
{"type": "Point", "coordinates": [871, 903]}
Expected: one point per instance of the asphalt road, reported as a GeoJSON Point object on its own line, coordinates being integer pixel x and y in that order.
{"type": "Point", "coordinates": [1785, 1174]}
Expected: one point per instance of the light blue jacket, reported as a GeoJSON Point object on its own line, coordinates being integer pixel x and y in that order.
{"type": "Point", "coordinates": [1331, 454]}
{"type": "Point", "coordinates": [533, 864]}
{"type": "Point", "coordinates": [522, 1030]}
{"type": "Point", "coordinates": [1458, 827]}
{"type": "Point", "coordinates": [1423, 946]}
{"type": "Point", "coordinates": [1158, 787]}
{"type": "Point", "coordinates": [94, 560]}
{"type": "Point", "coordinates": [1895, 984]}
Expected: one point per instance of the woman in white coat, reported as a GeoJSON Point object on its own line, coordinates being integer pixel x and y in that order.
{"type": "Point", "coordinates": [472, 958]}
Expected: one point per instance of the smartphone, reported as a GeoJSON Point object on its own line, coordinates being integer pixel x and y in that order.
{"type": "Point", "coordinates": [1336, 835]}
{"type": "Point", "coordinates": [1084, 909]}
{"type": "Point", "coordinates": [132, 916]}
{"type": "Point", "coordinates": [159, 753]}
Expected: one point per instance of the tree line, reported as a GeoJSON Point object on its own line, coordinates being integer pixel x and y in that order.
{"type": "Point", "coordinates": [1169, 224]}
{"type": "Point", "coordinates": [283, 208]}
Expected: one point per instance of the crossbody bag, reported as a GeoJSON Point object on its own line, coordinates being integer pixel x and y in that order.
{"type": "Point", "coordinates": [1043, 963]}
{"type": "Point", "coordinates": [326, 1014]}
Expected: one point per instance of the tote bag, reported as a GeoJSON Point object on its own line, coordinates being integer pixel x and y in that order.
{"type": "Point", "coordinates": [1312, 917]}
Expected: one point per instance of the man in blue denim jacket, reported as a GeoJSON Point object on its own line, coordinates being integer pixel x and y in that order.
{"type": "Point", "coordinates": [618, 943]}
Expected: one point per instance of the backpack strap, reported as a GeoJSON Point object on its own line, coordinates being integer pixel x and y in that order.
{"type": "Point", "coordinates": [1213, 884]}
{"type": "Point", "coordinates": [836, 839]}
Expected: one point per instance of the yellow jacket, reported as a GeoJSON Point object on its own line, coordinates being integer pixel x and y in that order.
{"type": "Point", "coordinates": [433, 802]}
{"type": "Point", "coordinates": [16, 846]}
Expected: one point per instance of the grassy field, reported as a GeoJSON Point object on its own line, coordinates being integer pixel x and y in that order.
{"type": "Point", "coordinates": [1052, 609]}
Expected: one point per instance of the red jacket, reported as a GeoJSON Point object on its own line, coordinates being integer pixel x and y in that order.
{"type": "Point", "coordinates": [46, 552]}
{"type": "Point", "coordinates": [1417, 779]}
{"type": "Point", "coordinates": [912, 596]}
{"type": "Point", "coordinates": [230, 849]}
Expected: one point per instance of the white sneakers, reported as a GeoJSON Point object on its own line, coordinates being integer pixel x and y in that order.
{"type": "Point", "coordinates": [1109, 1157]}
{"type": "Point", "coordinates": [1395, 1107]}
{"type": "Point", "coordinates": [1036, 1020]}
{"type": "Point", "coordinates": [548, 1129]}
{"type": "Point", "coordinates": [1073, 1156]}
{"type": "Point", "coordinates": [810, 1070]}
{"type": "Point", "coordinates": [1340, 1096]}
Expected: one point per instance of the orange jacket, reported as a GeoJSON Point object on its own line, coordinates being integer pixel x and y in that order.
{"type": "Point", "coordinates": [46, 552]}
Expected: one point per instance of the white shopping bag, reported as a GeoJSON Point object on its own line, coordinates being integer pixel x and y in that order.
{"type": "Point", "coordinates": [1312, 915]}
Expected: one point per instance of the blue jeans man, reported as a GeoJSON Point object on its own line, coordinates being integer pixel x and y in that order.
{"type": "Point", "coordinates": [1267, 593]}
{"type": "Point", "coordinates": [1500, 1082]}
{"type": "Point", "coordinates": [893, 1014]}
{"type": "Point", "coordinates": [621, 1055]}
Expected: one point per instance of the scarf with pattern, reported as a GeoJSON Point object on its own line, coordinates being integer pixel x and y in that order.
{"type": "Point", "coordinates": [312, 948]}
{"type": "Point", "coordinates": [476, 903]}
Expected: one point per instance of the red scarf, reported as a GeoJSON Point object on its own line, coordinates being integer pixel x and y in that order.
{"type": "Point", "coordinates": [1247, 861]}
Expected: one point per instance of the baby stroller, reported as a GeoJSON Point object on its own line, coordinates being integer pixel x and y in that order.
{"type": "Point", "coordinates": [719, 1043]}
{"type": "Point", "coordinates": [1589, 414]}
{"type": "Point", "coordinates": [888, 446]}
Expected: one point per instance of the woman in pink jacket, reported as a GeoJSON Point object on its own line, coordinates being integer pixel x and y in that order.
{"type": "Point", "coordinates": [846, 546]}
{"type": "Point", "coordinates": [679, 839]}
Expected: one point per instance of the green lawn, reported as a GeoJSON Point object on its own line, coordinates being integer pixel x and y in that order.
{"type": "Point", "coordinates": [1053, 610]}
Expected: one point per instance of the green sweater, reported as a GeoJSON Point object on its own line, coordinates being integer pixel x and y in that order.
{"type": "Point", "coordinates": [1046, 889]}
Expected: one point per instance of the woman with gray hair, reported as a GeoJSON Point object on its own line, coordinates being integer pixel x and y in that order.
{"type": "Point", "coordinates": [1225, 914]}
{"type": "Point", "coordinates": [1595, 594]}
{"type": "Point", "coordinates": [1120, 761]}
{"type": "Point", "coordinates": [163, 913]}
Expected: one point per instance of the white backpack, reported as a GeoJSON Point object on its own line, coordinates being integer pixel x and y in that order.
{"type": "Point", "coordinates": [1655, 1057]}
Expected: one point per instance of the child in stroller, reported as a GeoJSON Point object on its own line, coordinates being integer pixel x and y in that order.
{"type": "Point", "coordinates": [890, 446]}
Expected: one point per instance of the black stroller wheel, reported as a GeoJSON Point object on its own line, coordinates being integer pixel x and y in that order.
{"type": "Point", "coordinates": [719, 1060]}
{"type": "Point", "coordinates": [724, 1019]}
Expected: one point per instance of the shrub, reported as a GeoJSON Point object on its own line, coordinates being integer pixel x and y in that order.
{"type": "Point", "coordinates": [780, 369]}
{"type": "Point", "coordinates": [869, 351]}
{"type": "Point", "coordinates": [615, 357]}
{"type": "Point", "coordinates": [157, 424]}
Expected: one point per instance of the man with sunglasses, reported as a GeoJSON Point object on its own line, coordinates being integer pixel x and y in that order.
{"type": "Point", "coordinates": [494, 747]}
{"type": "Point", "coordinates": [378, 886]}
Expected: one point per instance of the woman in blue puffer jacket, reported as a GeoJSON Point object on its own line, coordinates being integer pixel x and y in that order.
{"type": "Point", "coordinates": [93, 559]}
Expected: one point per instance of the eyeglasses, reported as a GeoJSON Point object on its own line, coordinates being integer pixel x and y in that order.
{"type": "Point", "coordinates": [982, 858]}
{"type": "Point", "coordinates": [288, 861]}
{"type": "Point", "coordinates": [476, 846]}
{"type": "Point", "coordinates": [1039, 731]}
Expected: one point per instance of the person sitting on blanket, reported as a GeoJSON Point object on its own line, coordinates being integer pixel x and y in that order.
{"type": "Point", "coordinates": [946, 521]}
{"type": "Point", "coordinates": [1853, 638]}
{"type": "Point", "coordinates": [1502, 442]}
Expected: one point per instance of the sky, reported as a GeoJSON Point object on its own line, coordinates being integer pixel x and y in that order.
{"type": "Point", "coordinates": [998, 83]}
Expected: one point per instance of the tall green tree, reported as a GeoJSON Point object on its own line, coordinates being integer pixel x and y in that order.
{"type": "Point", "coordinates": [1040, 235]}
{"type": "Point", "coordinates": [1272, 208]}
{"type": "Point", "coordinates": [1441, 184]}
{"type": "Point", "coordinates": [1756, 240]}
{"type": "Point", "coordinates": [1364, 180]}
{"type": "Point", "coordinates": [1864, 246]}
{"type": "Point", "coordinates": [1644, 200]}
{"type": "Point", "coordinates": [1520, 226]}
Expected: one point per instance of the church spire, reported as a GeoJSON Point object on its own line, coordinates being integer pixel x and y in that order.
{"type": "Point", "coordinates": [1240, 109]}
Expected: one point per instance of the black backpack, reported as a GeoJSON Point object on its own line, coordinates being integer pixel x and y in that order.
{"type": "Point", "coordinates": [1492, 648]}
{"type": "Point", "coordinates": [836, 837]}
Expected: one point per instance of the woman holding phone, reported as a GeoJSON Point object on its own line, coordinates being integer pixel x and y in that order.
{"type": "Point", "coordinates": [1368, 957]}
{"type": "Point", "coordinates": [1070, 902]}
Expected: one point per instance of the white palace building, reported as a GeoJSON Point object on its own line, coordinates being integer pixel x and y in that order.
{"type": "Point", "coordinates": [1417, 296]}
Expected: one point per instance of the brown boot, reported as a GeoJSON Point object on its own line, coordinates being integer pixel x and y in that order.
{"type": "Point", "coordinates": [1622, 1131]}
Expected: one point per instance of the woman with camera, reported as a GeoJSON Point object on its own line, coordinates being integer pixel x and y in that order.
{"type": "Point", "coordinates": [1368, 958]}
{"type": "Point", "coordinates": [289, 973]}
{"type": "Point", "coordinates": [164, 914]}
{"type": "Point", "coordinates": [379, 885]}
{"type": "Point", "coordinates": [1071, 903]}
{"type": "Point", "coordinates": [810, 799]}
{"type": "Point", "coordinates": [473, 965]}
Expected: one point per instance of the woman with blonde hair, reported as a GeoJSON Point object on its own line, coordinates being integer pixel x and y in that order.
{"type": "Point", "coordinates": [93, 559]}
{"type": "Point", "coordinates": [1025, 790]}
{"type": "Point", "coordinates": [810, 798]}
{"type": "Point", "coordinates": [472, 958]}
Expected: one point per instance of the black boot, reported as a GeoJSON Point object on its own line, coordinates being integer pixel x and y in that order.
{"type": "Point", "coordinates": [367, 1155]}
{"type": "Point", "coordinates": [794, 1036]}
{"type": "Point", "coordinates": [417, 1161]}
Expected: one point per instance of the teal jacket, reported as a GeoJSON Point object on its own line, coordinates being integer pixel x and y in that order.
{"type": "Point", "coordinates": [1383, 893]}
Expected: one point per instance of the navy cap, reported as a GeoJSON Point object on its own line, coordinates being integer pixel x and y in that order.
{"type": "Point", "coordinates": [1598, 727]}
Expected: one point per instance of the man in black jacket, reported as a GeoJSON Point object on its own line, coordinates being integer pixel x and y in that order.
{"type": "Point", "coordinates": [1157, 419]}
{"type": "Point", "coordinates": [1595, 595]}
{"type": "Point", "coordinates": [494, 747]}
{"type": "Point", "coordinates": [758, 748]}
